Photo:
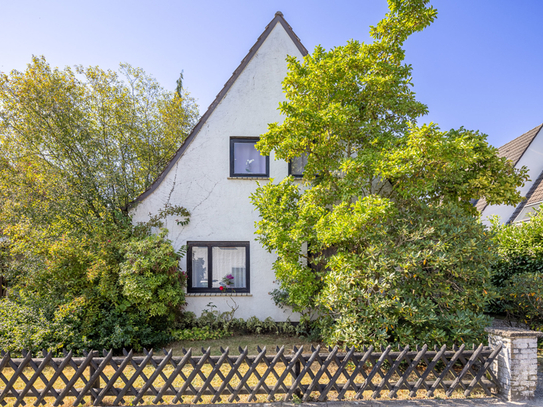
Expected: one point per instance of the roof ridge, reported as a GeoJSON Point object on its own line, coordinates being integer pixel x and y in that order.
{"type": "Point", "coordinates": [278, 19]}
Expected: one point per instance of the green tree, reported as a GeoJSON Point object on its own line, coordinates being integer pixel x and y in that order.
{"type": "Point", "coordinates": [77, 146]}
{"type": "Point", "coordinates": [380, 241]}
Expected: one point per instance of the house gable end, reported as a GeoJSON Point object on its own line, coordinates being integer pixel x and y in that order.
{"type": "Point", "coordinates": [278, 19]}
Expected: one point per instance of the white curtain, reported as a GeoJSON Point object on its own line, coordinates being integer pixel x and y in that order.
{"type": "Point", "coordinates": [247, 159]}
{"type": "Point", "coordinates": [229, 260]}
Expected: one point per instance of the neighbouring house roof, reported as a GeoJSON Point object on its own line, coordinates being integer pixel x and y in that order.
{"type": "Point", "coordinates": [514, 151]}
{"type": "Point", "coordinates": [278, 19]}
{"type": "Point", "coordinates": [534, 195]}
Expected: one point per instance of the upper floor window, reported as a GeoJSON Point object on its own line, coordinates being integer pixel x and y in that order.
{"type": "Point", "coordinates": [246, 160]}
{"type": "Point", "coordinates": [296, 166]}
{"type": "Point", "coordinates": [527, 212]}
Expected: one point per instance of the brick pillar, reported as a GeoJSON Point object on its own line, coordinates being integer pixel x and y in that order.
{"type": "Point", "coordinates": [516, 365]}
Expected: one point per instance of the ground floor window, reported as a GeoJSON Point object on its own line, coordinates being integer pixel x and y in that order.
{"type": "Point", "coordinates": [210, 264]}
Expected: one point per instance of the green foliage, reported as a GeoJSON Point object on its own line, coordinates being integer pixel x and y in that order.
{"type": "Point", "coordinates": [149, 275]}
{"type": "Point", "coordinates": [380, 241]}
{"type": "Point", "coordinates": [77, 147]}
{"type": "Point", "coordinates": [199, 334]}
{"type": "Point", "coordinates": [27, 324]}
{"type": "Point", "coordinates": [523, 299]}
{"type": "Point", "coordinates": [520, 250]}
{"type": "Point", "coordinates": [213, 324]}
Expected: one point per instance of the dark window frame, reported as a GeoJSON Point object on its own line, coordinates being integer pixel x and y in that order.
{"type": "Point", "coordinates": [291, 173]}
{"type": "Point", "coordinates": [253, 140]}
{"type": "Point", "coordinates": [210, 245]}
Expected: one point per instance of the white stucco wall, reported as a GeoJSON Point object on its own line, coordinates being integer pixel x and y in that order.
{"type": "Point", "coordinates": [220, 207]}
{"type": "Point", "coordinates": [533, 160]}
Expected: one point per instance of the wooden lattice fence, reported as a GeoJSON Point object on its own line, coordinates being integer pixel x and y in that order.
{"type": "Point", "coordinates": [318, 375]}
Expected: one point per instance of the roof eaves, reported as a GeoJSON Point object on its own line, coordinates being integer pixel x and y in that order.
{"type": "Point", "coordinates": [278, 19]}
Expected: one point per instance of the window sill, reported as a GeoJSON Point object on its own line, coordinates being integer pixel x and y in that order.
{"type": "Point", "coordinates": [250, 178]}
{"type": "Point", "coordinates": [218, 295]}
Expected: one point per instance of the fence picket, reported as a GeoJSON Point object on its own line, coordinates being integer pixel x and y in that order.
{"type": "Point", "coordinates": [412, 366]}
{"type": "Point", "coordinates": [390, 372]}
{"type": "Point", "coordinates": [484, 369]}
{"type": "Point", "coordinates": [341, 370]}
{"type": "Point", "coordinates": [37, 373]}
{"type": "Point", "coordinates": [447, 369]}
{"type": "Point", "coordinates": [78, 373]}
{"type": "Point", "coordinates": [133, 378]}
{"type": "Point", "coordinates": [323, 368]}
{"type": "Point", "coordinates": [233, 370]}
{"type": "Point", "coordinates": [110, 383]}
{"type": "Point", "coordinates": [467, 367]}
{"type": "Point", "coordinates": [376, 367]}
{"type": "Point", "coordinates": [288, 369]}
{"type": "Point", "coordinates": [358, 369]}
{"type": "Point", "coordinates": [195, 371]}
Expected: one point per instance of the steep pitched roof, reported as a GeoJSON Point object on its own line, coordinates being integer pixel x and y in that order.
{"type": "Point", "coordinates": [513, 151]}
{"type": "Point", "coordinates": [278, 19]}
{"type": "Point", "coordinates": [537, 195]}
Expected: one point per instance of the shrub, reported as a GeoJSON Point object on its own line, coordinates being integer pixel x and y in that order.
{"type": "Point", "coordinates": [25, 325]}
{"type": "Point", "coordinates": [523, 295]}
{"type": "Point", "coordinates": [520, 251]}
{"type": "Point", "coordinates": [117, 289]}
{"type": "Point", "coordinates": [150, 277]}
{"type": "Point", "coordinates": [200, 334]}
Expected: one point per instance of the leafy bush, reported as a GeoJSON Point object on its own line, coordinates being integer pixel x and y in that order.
{"type": "Point", "coordinates": [81, 275]}
{"type": "Point", "coordinates": [150, 277]}
{"type": "Point", "coordinates": [523, 295]}
{"type": "Point", "coordinates": [520, 251]}
{"type": "Point", "coordinates": [118, 289]}
{"type": "Point", "coordinates": [25, 325]}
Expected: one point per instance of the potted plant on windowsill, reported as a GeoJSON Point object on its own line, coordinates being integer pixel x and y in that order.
{"type": "Point", "coordinates": [227, 283]}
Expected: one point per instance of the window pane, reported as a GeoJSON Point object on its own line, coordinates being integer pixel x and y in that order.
{"type": "Point", "coordinates": [199, 266]}
{"type": "Point", "coordinates": [297, 165]}
{"type": "Point", "coordinates": [229, 260]}
{"type": "Point", "coordinates": [247, 159]}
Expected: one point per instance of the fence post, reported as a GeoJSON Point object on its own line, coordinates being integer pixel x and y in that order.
{"type": "Point", "coordinates": [516, 365]}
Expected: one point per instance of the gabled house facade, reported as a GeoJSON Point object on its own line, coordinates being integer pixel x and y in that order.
{"type": "Point", "coordinates": [213, 174]}
{"type": "Point", "coordinates": [526, 150]}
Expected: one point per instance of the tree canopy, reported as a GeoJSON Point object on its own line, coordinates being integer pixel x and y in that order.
{"type": "Point", "coordinates": [380, 240]}
{"type": "Point", "coordinates": [77, 146]}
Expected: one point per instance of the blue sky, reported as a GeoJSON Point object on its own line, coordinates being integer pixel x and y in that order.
{"type": "Point", "coordinates": [478, 66]}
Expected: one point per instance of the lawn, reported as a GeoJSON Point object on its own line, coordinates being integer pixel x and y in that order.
{"type": "Point", "coordinates": [270, 341]}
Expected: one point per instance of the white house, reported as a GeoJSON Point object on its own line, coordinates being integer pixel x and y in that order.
{"type": "Point", "coordinates": [526, 150]}
{"type": "Point", "coordinates": [213, 174]}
